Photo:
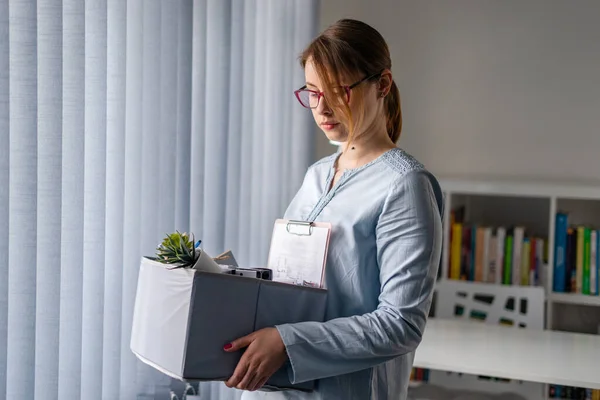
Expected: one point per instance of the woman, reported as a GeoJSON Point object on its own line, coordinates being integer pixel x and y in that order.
{"type": "Point", "coordinates": [385, 209]}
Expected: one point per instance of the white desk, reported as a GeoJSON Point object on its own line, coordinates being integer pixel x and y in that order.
{"type": "Point", "coordinates": [524, 354]}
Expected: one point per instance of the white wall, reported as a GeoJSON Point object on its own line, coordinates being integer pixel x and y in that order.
{"type": "Point", "coordinates": [492, 87]}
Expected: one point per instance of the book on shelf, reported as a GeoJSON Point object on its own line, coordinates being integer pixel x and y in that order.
{"type": "Point", "coordinates": [507, 255]}
{"type": "Point", "coordinates": [419, 374]}
{"type": "Point", "coordinates": [571, 392]}
{"type": "Point", "coordinates": [576, 257]}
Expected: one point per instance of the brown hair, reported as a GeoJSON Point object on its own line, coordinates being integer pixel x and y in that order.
{"type": "Point", "coordinates": [352, 49]}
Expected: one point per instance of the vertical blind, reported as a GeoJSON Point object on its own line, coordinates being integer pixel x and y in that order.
{"type": "Point", "coordinates": [121, 121]}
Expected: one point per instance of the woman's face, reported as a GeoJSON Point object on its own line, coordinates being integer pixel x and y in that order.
{"type": "Point", "coordinates": [326, 119]}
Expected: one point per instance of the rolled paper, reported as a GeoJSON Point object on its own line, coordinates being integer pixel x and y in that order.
{"type": "Point", "coordinates": [206, 263]}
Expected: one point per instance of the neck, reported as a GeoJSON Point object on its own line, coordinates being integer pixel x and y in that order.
{"type": "Point", "coordinates": [365, 147]}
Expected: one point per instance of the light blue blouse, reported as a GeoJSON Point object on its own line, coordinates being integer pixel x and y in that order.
{"type": "Point", "coordinates": [384, 254]}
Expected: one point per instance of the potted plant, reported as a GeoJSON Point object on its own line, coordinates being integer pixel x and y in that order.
{"type": "Point", "coordinates": [177, 249]}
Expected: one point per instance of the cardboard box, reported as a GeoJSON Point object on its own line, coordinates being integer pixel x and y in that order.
{"type": "Point", "coordinates": [183, 318]}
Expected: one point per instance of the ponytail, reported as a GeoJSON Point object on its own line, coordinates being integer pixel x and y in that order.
{"type": "Point", "coordinates": [393, 112]}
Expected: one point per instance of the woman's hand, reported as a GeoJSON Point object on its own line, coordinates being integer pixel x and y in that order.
{"type": "Point", "coordinates": [264, 355]}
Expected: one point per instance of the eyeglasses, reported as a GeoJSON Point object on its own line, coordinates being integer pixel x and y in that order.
{"type": "Point", "coordinates": [310, 98]}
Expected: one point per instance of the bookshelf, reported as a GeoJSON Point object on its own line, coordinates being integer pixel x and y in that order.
{"type": "Point", "coordinates": [535, 204]}
{"type": "Point", "coordinates": [532, 204]}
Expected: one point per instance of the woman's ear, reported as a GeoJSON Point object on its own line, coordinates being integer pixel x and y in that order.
{"type": "Point", "coordinates": [385, 83]}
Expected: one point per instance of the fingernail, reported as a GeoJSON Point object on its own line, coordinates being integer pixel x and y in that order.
{"type": "Point", "coordinates": [227, 346]}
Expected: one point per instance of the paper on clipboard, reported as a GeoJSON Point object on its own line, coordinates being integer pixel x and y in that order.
{"type": "Point", "coordinates": [299, 251]}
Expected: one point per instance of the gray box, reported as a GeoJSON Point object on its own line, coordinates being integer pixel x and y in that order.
{"type": "Point", "coordinates": [184, 317]}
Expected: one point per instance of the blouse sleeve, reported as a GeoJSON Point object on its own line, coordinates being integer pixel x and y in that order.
{"type": "Point", "coordinates": [409, 241]}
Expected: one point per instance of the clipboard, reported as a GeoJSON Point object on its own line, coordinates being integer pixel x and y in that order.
{"type": "Point", "coordinates": [298, 252]}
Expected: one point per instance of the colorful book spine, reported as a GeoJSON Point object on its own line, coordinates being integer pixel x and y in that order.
{"type": "Point", "coordinates": [525, 260]}
{"type": "Point", "coordinates": [598, 263]}
{"type": "Point", "coordinates": [517, 256]}
{"type": "Point", "coordinates": [487, 263]}
{"type": "Point", "coordinates": [593, 262]}
{"type": "Point", "coordinates": [479, 254]}
{"type": "Point", "coordinates": [500, 246]}
{"type": "Point", "coordinates": [579, 259]}
{"type": "Point", "coordinates": [560, 245]}
{"type": "Point", "coordinates": [508, 251]}
{"type": "Point", "coordinates": [586, 260]}
{"type": "Point", "coordinates": [471, 252]}
{"type": "Point", "coordinates": [571, 260]}
{"type": "Point", "coordinates": [533, 264]}
{"type": "Point", "coordinates": [541, 250]}
{"type": "Point", "coordinates": [465, 272]}
{"type": "Point", "coordinates": [455, 252]}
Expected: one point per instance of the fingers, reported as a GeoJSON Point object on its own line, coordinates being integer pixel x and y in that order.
{"type": "Point", "coordinates": [239, 373]}
{"type": "Point", "coordinates": [254, 367]}
{"type": "Point", "coordinates": [259, 383]}
{"type": "Point", "coordinates": [252, 380]}
{"type": "Point", "coordinates": [256, 379]}
{"type": "Point", "coordinates": [248, 380]}
{"type": "Point", "coordinates": [245, 376]}
{"type": "Point", "coordinates": [242, 367]}
{"type": "Point", "coordinates": [239, 343]}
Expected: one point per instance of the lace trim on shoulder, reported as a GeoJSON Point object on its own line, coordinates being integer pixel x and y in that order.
{"type": "Point", "coordinates": [402, 162]}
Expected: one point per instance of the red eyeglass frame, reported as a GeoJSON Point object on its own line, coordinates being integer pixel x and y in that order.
{"type": "Point", "coordinates": [320, 94]}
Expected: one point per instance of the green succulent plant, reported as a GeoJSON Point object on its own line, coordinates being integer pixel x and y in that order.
{"type": "Point", "coordinates": [177, 249]}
